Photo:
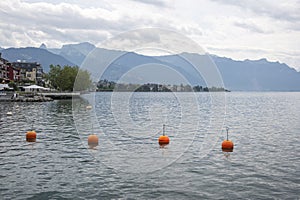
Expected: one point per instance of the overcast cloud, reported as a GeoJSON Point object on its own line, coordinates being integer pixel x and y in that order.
{"type": "Point", "coordinates": [237, 29]}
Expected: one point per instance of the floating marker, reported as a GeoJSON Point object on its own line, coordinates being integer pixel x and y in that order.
{"type": "Point", "coordinates": [89, 107]}
{"type": "Point", "coordinates": [9, 113]}
{"type": "Point", "coordinates": [93, 140]}
{"type": "Point", "coordinates": [31, 136]}
{"type": "Point", "coordinates": [227, 145]}
{"type": "Point", "coordinates": [163, 139]}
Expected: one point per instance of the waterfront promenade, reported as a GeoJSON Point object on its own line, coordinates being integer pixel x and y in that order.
{"type": "Point", "coordinates": [10, 96]}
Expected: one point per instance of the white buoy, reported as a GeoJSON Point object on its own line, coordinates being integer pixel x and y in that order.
{"type": "Point", "coordinates": [89, 107]}
{"type": "Point", "coordinates": [9, 113]}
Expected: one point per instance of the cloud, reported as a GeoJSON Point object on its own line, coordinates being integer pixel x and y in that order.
{"type": "Point", "coordinates": [220, 24]}
{"type": "Point", "coordinates": [67, 22]}
{"type": "Point", "coordinates": [280, 10]}
{"type": "Point", "coordinates": [59, 16]}
{"type": "Point", "coordinates": [153, 41]}
{"type": "Point", "coordinates": [27, 24]}
{"type": "Point", "coordinates": [159, 3]}
{"type": "Point", "coordinates": [251, 27]}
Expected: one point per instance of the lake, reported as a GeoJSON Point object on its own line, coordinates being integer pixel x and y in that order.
{"type": "Point", "coordinates": [129, 163]}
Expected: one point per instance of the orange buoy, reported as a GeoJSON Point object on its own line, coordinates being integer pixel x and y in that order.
{"type": "Point", "coordinates": [31, 136]}
{"type": "Point", "coordinates": [93, 140]}
{"type": "Point", "coordinates": [163, 139]}
{"type": "Point", "coordinates": [227, 145]}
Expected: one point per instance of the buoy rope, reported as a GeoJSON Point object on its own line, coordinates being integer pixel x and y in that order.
{"type": "Point", "coordinates": [32, 124]}
{"type": "Point", "coordinates": [227, 129]}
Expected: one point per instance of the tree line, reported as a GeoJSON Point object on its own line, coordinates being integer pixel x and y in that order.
{"type": "Point", "coordinates": [105, 85]}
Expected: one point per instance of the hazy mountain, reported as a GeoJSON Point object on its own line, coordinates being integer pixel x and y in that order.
{"type": "Point", "coordinates": [259, 75]}
{"type": "Point", "coordinates": [74, 52]}
{"type": "Point", "coordinates": [32, 54]}
{"type": "Point", "coordinates": [43, 46]}
{"type": "Point", "coordinates": [249, 75]}
{"type": "Point", "coordinates": [135, 68]}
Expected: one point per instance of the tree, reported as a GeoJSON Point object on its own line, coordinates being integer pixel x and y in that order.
{"type": "Point", "coordinates": [197, 88]}
{"type": "Point", "coordinates": [13, 85]}
{"type": "Point", "coordinates": [83, 80]}
{"type": "Point", "coordinates": [68, 77]}
{"type": "Point", "coordinates": [63, 79]}
{"type": "Point", "coordinates": [54, 76]}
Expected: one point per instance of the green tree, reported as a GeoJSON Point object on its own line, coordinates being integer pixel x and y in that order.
{"type": "Point", "coordinates": [83, 80]}
{"type": "Point", "coordinates": [13, 85]}
{"type": "Point", "coordinates": [68, 75]}
{"type": "Point", "coordinates": [63, 79]}
{"type": "Point", "coordinates": [54, 76]}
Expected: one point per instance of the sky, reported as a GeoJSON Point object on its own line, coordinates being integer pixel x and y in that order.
{"type": "Point", "coordinates": [239, 29]}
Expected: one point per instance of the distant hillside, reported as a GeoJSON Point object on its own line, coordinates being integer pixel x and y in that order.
{"type": "Point", "coordinates": [74, 52]}
{"type": "Point", "coordinates": [31, 54]}
{"type": "Point", "coordinates": [258, 75]}
{"type": "Point", "coordinates": [247, 75]}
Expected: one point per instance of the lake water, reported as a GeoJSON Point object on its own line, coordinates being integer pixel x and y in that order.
{"type": "Point", "coordinates": [129, 163]}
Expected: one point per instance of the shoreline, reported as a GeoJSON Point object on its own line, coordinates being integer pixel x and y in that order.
{"type": "Point", "coordinates": [36, 97]}
{"type": "Point", "coordinates": [27, 99]}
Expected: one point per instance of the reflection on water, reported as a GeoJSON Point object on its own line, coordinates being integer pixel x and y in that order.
{"type": "Point", "coordinates": [129, 163]}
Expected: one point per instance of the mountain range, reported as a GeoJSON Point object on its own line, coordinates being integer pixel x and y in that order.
{"type": "Point", "coordinates": [247, 75]}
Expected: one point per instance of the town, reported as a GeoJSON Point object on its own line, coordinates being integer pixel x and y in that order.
{"type": "Point", "coordinates": [22, 72]}
{"type": "Point", "coordinates": [27, 82]}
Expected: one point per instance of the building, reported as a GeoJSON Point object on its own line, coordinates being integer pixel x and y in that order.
{"type": "Point", "coordinates": [3, 69]}
{"type": "Point", "coordinates": [31, 71]}
{"type": "Point", "coordinates": [7, 71]}
{"type": "Point", "coordinates": [20, 71]}
{"type": "Point", "coordinates": [13, 73]}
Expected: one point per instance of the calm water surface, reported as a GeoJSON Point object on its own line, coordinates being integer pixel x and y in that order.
{"type": "Point", "coordinates": [128, 163]}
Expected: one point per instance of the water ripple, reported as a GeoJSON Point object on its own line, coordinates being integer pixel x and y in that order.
{"type": "Point", "coordinates": [265, 162]}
